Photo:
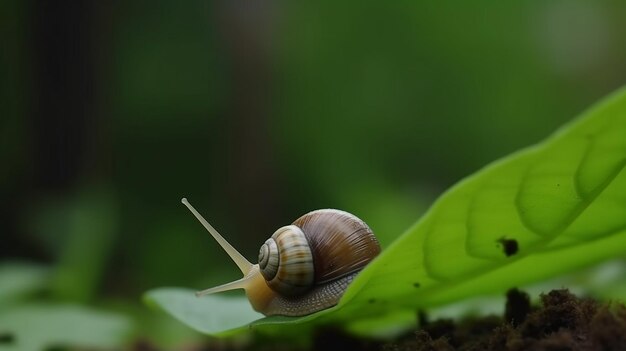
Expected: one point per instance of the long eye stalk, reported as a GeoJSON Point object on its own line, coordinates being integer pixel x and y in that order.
{"type": "Point", "coordinates": [244, 265]}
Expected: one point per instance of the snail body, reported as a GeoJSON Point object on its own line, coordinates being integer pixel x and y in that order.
{"type": "Point", "coordinates": [304, 267]}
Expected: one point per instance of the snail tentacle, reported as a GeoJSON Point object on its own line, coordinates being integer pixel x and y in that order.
{"type": "Point", "coordinates": [242, 283]}
{"type": "Point", "coordinates": [244, 265]}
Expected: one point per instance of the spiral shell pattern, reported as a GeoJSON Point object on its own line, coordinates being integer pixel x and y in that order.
{"type": "Point", "coordinates": [269, 259]}
{"type": "Point", "coordinates": [286, 261]}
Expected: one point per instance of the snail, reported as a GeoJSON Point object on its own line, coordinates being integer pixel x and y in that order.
{"type": "Point", "coordinates": [304, 267]}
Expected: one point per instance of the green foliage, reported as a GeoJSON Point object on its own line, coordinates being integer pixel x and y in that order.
{"type": "Point", "coordinates": [27, 325]}
{"type": "Point", "coordinates": [259, 117]}
{"type": "Point", "coordinates": [20, 279]}
{"type": "Point", "coordinates": [561, 203]}
{"type": "Point", "coordinates": [90, 224]}
{"type": "Point", "coordinates": [39, 327]}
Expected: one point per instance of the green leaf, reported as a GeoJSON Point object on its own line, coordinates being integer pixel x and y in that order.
{"type": "Point", "coordinates": [559, 206]}
{"type": "Point", "coordinates": [203, 314]}
{"type": "Point", "coordinates": [18, 279]}
{"type": "Point", "coordinates": [38, 327]}
{"type": "Point", "coordinates": [562, 201]}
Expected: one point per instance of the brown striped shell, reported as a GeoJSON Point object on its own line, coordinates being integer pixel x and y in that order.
{"type": "Point", "coordinates": [319, 247]}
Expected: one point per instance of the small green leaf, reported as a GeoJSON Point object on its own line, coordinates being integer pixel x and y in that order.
{"type": "Point", "coordinates": [211, 314]}
{"type": "Point", "coordinates": [18, 279]}
{"type": "Point", "coordinates": [552, 208]}
{"type": "Point", "coordinates": [38, 327]}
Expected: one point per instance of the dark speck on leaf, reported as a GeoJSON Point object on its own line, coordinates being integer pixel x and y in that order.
{"type": "Point", "coordinates": [371, 301]}
{"type": "Point", "coordinates": [509, 246]}
{"type": "Point", "coordinates": [416, 285]}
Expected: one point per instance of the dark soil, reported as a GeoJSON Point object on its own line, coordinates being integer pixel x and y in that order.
{"type": "Point", "coordinates": [562, 322]}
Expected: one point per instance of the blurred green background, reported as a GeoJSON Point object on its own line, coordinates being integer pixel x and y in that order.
{"type": "Point", "coordinates": [258, 112]}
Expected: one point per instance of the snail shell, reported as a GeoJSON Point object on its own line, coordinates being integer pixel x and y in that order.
{"type": "Point", "coordinates": [304, 267]}
{"type": "Point", "coordinates": [307, 260]}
